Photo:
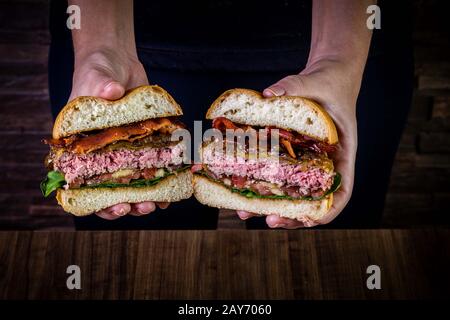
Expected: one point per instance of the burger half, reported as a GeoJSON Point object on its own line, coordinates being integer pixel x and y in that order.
{"type": "Point", "coordinates": [107, 152]}
{"type": "Point", "coordinates": [295, 181]}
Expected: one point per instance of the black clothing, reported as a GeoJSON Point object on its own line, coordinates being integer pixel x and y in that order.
{"type": "Point", "coordinates": [197, 50]}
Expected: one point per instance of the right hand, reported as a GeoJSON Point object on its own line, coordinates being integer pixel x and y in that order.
{"type": "Point", "coordinates": [335, 86]}
{"type": "Point", "coordinates": [108, 73]}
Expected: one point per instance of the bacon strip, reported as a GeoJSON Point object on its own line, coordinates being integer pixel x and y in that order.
{"type": "Point", "coordinates": [222, 123]}
{"type": "Point", "coordinates": [107, 136]}
{"type": "Point", "coordinates": [306, 142]}
{"type": "Point", "coordinates": [60, 142]}
{"type": "Point", "coordinates": [288, 146]}
{"type": "Point", "coordinates": [288, 138]}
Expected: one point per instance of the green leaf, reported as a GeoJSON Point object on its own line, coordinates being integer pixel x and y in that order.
{"type": "Point", "coordinates": [252, 194]}
{"type": "Point", "coordinates": [336, 184]}
{"type": "Point", "coordinates": [53, 181]}
{"type": "Point", "coordinates": [138, 183]}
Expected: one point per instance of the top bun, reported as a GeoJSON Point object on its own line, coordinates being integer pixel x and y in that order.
{"type": "Point", "coordinates": [286, 112]}
{"type": "Point", "coordinates": [92, 113]}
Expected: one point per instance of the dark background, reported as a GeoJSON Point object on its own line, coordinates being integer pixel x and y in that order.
{"type": "Point", "coordinates": [419, 192]}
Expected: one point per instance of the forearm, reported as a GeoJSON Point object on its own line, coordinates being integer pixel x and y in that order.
{"type": "Point", "coordinates": [105, 24]}
{"type": "Point", "coordinates": [339, 32]}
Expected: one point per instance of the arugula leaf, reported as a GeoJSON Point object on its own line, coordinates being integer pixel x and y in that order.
{"type": "Point", "coordinates": [138, 183]}
{"type": "Point", "coordinates": [336, 184]}
{"type": "Point", "coordinates": [53, 181]}
{"type": "Point", "coordinates": [252, 194]}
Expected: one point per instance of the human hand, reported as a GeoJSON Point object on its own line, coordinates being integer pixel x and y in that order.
{"type": "Point", "coordinates": [335, 85]}
{"type": "Point", "coordinates": [108, 73]}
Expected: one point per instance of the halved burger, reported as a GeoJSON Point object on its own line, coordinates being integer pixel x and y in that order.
{"type": "Point", "coordinates": [297, 181]}
{"type": "Point", "coordinates": [107, 152]}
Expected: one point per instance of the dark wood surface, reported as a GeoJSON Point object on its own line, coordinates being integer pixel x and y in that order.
{"type": "Point", "coordinates": [227, 264]}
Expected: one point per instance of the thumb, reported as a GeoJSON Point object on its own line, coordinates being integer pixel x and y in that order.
{"type": "Point", "coordinates": [293, 85]}
{"type": "Point", "coordinates": [110, 90]}
{"type": "Point", "coordinates": [98, 84]}
{"type": "Point", "coordinates": [274, 90]}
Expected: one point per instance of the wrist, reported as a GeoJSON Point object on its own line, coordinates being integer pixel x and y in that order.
{"type": "Point", "coordinates": [112, 45]}
{"type": "Point", "coordinates": [106, 24]}
{"type": "Point", "coordinates": [104, 53]}
{"type": "Point", "coordinates": [339, 78]}
{"type": "Point", "coordinates": [345, 62]}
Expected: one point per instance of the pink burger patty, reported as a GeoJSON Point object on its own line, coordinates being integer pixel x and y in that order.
{"type": "Point", "coordinates": [75, 166]}
{"type": "Point", "coordinates": [312, 181]}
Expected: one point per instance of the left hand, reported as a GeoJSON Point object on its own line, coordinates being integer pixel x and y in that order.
{"type": "Point", "coordinates": [107, 73]}
{"type": "Point", "coordinates": [335, 85]}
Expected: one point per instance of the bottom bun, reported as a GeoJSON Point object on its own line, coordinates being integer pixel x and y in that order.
{"type": "Point", "coordinates": [214, 194]}
{"type": "Point", "coordinates": [82, 202]}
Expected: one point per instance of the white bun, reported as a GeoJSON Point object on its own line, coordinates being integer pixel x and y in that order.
{"type": "Point", "coordinates": [291, 113]}
{"type": "Point", "coordinates": [82, 202]}
{"type": "Point", "coordinates": [92, 113]}
{"type": "Point", "coordinates": [214, 194]}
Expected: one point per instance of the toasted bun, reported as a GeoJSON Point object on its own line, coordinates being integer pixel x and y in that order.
{"type": "Point", "coordinates": [216, 195]}
{"type": "Point", "coordinates": [82, 202]}
{"type": "Point", "coordinates": [291, 113]}
{"type": "Point", "coordinates": [92, 113]}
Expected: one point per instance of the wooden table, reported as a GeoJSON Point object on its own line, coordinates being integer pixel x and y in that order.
{"type": "Point", "coordinates": [226, 264]}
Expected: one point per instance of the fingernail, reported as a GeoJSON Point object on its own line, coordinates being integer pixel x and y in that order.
{"type": "Point", "coordinates": [278, 225]}
{"type": "Point", "coordinates": [274, 91]}
{"type": "Point", "coordinates": [242, 215]}
{"type": "Point", "coordinates": [141, 212]}
{"type": "Point", "coordinates": [121, 212]}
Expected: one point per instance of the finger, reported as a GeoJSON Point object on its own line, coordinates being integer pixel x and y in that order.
{"type": "Point", "coordinates": [163, 205]}
{"type": "Point", "coordinates": [344, 164]}
{"type": "Point", "coordinates": [112, 90]}
{"type": "Point", "coordinates": [274, 221]}
{"type": "Point", "coordinates": [274, 91]}
{"type": "Point", "coordinates": [142, 208]}
{"type": "Point", "coordinates": [114, 212]}
{"type": "Point", "coordinates": [105, 214]}
{"type": "Point", "coordinates": [244, 215]}
{"type": "Point", "coordinates": [294, 85]}
{"type": "Point", "coordinates": [291, 85]}
{"type": "Point", "coordinates": [98, 83]}
{"type": "Point", "coordinates": [340, 199]}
